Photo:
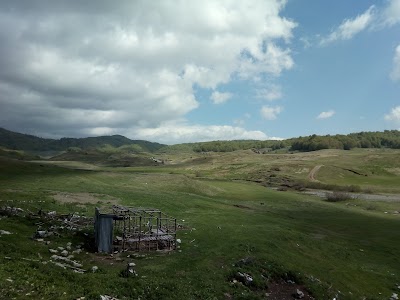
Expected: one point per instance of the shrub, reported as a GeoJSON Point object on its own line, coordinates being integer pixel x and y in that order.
{"type": "Point", "coordinates": [337, 196]}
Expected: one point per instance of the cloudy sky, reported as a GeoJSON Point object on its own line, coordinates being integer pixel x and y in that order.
{"type": "Point", "coordinates": [177, 71]}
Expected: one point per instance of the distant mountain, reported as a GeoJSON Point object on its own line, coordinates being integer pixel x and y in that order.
{"type": "Point", "coordinates": [20, 141]}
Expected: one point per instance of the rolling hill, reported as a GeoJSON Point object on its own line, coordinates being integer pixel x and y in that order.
{"type": "Point", "coordinates": [19, 141]}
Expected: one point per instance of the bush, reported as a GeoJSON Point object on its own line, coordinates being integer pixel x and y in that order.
{"type": "Point", "coordinates": [337, 196]}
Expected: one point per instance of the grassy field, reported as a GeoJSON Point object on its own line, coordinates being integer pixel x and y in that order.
{"type": "Point", "coordinates": [347, 250]}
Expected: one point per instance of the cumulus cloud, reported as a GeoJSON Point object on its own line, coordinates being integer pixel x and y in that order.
{"type": "Point", "coordinates": [177, 133]}
{"type": "Point", "coordinates": [395, 74]}
{"type": "Point", "coordinates": [350, 27]}
{"type": "Point", "coordinates": [271, 92]}
{"type": "Point", "coordinates": [394, 115]}
{"type": "Point", "coordinates": [219, 98]}
{"type": "Point", "coordinates": [326, 115]}
{"type": "Point", "coordinates": [390, 14]}
{"type": "Point", "coordinates": [270, 112]}
{"type": "Point", "coordinates": [78, 67]}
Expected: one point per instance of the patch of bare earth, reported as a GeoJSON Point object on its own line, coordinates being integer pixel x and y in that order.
{"type": "Point", "coordinates": [287, 291]}
{"type": "Point", "coordinates": [83, 198]}
{"type": "Point", "coordinates": [313, 173]}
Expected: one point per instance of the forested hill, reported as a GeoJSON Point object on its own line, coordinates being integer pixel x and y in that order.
{"type": "Point", "coordinates": [19, 141]}
{"type": "Point", "coordinates": [386, 139]}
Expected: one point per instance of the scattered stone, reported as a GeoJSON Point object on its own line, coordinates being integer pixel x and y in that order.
{"type": "Point", "coordinates": [77, 251]}
{"type": "Point", "coordinates": [105, 297]}
{"type": "Point", "coordinates": [64, 253]}
{"type": "Point", "coordinates": [129, 271]}
{"type": "Point", "coordinates": [61, 248]}
{"type": "Point", "coordinates": [11, 210]}
{"type": "Point", "coordinates": [244, 278]}
{"type": "Point", "coordinates": [178, 241]}
{"type": "Point", "coordinates": [291, 281]}
{"type": "Point", "coordinates": [40, 240]}
{"type": "Point", "coordinates": [394, 297]}
{"type": "Point", "coordinates": [41, 233]}
{"type": "Point", "coordinates": [94, 269]}
{"type": "Point", "coordinates": [4, 232]}
{"type": "Point", "coordinates": [54, 251]}
{"type": "Point", "coordinates": [9, 280]}
{"type": "Point", "coordinates": [299, 294]}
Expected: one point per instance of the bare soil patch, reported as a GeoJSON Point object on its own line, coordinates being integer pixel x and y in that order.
{"type": "Point", "coordinates": [92, 198]}
{"type": "Point", "coordinates": [287, 291]}
{"type": "Point", "coordinates": [313, 173]}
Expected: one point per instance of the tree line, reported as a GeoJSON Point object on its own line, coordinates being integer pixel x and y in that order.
{"type": "Point", "coordinates": [385, 139]}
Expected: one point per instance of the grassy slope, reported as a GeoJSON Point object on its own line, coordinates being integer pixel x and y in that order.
{"type": "Point", "coordinates": [352, 249]}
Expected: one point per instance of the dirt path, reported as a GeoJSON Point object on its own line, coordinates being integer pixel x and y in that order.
{"type": "Point", "coordinates": [313, 173]}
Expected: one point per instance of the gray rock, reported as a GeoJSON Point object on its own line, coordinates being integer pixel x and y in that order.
{"type": "Point", "coordinates": [394, 297]}
{"type": "Point", "coordinates": [64, 253]}
{"type": "Point", "coordinates": [244, 278]}
{"type": "Point", "coordinates": [94, 269]}
{"type": "Point", "coordinates": [4, 232]}
{"type": "Point", "coordinates": [54, 251]}
{"type": "Point", "coordinates": [299, 294]}
{"type": "Point", "coordinates": [41, 233]}
{"type": "Point", "coordinates": [105, 297]}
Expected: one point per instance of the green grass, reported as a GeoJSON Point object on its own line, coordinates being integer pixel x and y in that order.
{"type": "Point", "coordinates": [348, 248]}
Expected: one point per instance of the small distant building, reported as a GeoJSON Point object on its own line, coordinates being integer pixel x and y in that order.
{"type": "Point", "coordinates": [134, 229]}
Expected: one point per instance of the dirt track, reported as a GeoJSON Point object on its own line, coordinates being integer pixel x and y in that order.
{"type": "Point", "coordinates": [313, 173]}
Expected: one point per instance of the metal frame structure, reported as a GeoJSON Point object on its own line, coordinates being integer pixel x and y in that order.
{"type": "Point", "coordinates": [142, 229]}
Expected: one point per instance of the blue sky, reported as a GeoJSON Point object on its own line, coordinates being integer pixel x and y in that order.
{"type": "Point", "coordinates": [186, 71]}
{"type": "Point", "coordinates": [349, 77]}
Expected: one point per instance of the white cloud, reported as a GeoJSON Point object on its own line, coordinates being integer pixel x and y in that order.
{"type": "Point", "coordinates": [395, 74]}
{"type": "Point", "coordinates": [129, 65]}
{"type": "Point", "coordinates": [394, 115]}
{"type": "Point", "coordinates": [174, 133]}
{"type": "Point", "coordinates": [219, 98]}
{"type": "Point", "coordinates": [390, 14]}
{"type": "Point", "coordinates": [350, 27]}
{"type": "Point", "coordinates": [326, 115]}
{"type": "Point", "coordinates": [271, 92]}
{"type": "Point", "coordinates": [270, 112]}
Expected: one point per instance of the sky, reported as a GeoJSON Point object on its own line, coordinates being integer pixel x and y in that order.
{"type": "Point", "coordinates": [176, 71]}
